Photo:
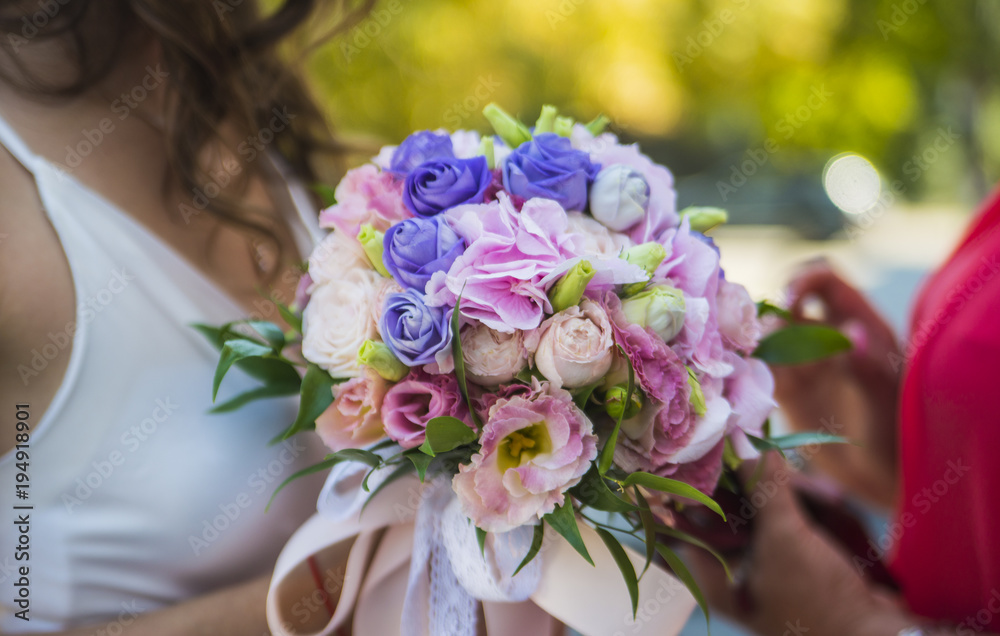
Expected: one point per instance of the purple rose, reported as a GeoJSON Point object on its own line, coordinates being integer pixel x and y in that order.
{"type": "Point", "coordinates": [548, 166]}
{"type": "Point", "coordinates": [412, 330]}
{"type": "Point", "coordinates": [418, 148]}
{"type": "Point", "coordinates": [439, 184]}
{"type": "Point", "coordinates": [418, 247]}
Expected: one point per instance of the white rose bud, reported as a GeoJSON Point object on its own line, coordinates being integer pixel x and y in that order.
{"type": "Point", "coordinates": [659, 308]}
{"type": "Point", "coordinates": [492, 358]}
{"type": "Point", "coordinates": [619, 197]}
{"type": "Point", "coordinates": [576, 346]}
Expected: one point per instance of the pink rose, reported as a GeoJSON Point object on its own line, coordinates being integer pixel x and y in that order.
{"type": "Point", "coordinates": [366, 195]}
{"type": "Point", "coordinates": [353, 421]}
{"type": "Point", "coordinates": [738, 322]}
{"type": "Point", "coordinates": [416, 400]}
{"type": "Point", "coordinates": [492, 358]}
{"type": "Point", "coordinates": [575, 346]}
{"type": "Point", "coordinates": [534, 448]}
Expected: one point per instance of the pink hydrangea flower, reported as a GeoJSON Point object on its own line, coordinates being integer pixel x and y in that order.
{"type": "Point", "coordinates": [511, 260]}
{"type": "Point", "coordinates": [366, 195]}
{"type": "Point", "coordinates": [418, 399]}
{"type": "Point", "coordinates": [534, 448]}
{"type": "Point", "coordinates": [353, 420]}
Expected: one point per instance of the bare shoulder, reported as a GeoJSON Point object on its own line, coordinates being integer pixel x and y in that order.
{"type": "Point", "coordinates": [36, 293]}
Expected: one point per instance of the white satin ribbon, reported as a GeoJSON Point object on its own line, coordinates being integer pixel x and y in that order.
{"type": "Point", "coordinates": [414, 568]}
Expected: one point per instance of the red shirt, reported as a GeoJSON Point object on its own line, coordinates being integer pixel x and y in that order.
{"type": "Point", "coordinates": [947, 557]}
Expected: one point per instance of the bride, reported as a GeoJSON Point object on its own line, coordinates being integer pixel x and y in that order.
{"type": "Point", "coordinates": [152, 166]}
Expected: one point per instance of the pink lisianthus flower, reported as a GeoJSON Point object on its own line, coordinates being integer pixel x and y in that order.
{"type": "Point", "coordinates": [692, 265]}
{"type": "Point", "coordinates": [418, 399]}
{"type": "Point", "coordinates": [511, 260]}
{"type": "Point", "coordinates": [750, 390]}
{"type": "Point", "coordinates": [353, 420]}
{"type": "Point", "coordinates": [534, 448]}
{"type": "Point", "coordinates": [366, 195]}
{"type": "Point", "coordinates": [738, 321]}
{"type": "Point", "coordinates": [702, 473]}
{"type": "Point", "coordinates": [665, 434]}
{"type": "Point", "coordinates": [659, 371]}
{"type": "Point", "coordinates": [606, 150]}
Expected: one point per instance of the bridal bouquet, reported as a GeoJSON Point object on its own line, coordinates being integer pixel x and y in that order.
{"type": "Point", "coordinates": [526, 317]}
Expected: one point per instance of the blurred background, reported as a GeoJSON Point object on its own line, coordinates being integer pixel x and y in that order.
{"type": "Point", "coordinates": [864, 131]}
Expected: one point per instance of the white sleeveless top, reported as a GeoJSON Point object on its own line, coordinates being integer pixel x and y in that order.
{"type": "Point", "coordinates": [140, 498]}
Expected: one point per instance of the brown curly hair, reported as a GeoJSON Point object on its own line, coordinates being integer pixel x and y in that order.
{"type": "Point", "coordinates": [225, 67]}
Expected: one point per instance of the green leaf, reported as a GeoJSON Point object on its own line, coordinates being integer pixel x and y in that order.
{"type": "Point", "coordinates": [328, 462]}
{"type": "Point", "coordinates": [294, 320]}
{"type": "Point", "coordinates": [787, 442]}
{"type": "Point", "coordinates": [270, 331]}
{"type": "Point", "coordinates": [582, 395]}
{"type": "Point", "coordinates": [608, 452]}
{"type": "Point", "coordinates": [446, 433]}
{"type": "Point", "coordinates": [674, 487]}
{"type": "Point", "coordinates": [563, 521]}
{"type": "Point", "coordinates": [684, 575]}
{"type": "Point", "coordinates": [593, 491]}
{"type": "Point", "coordinates": [798, 344]}
{"type": "Point", "coordinates": [764, 308]}
{"type": "Point", "coordinates": [456, 353]}
{"type": "Point", "coordinates": [316, 395]}
{"type": "Point", "coordinates": [358, 455]}
{"type": "Point", "coordinates": [536, 545]}
{"type": "Point", "coordinates": [267, 391]}
{"type": "Point", "coordinates": [421, 461]}
{"type": "Point", "coordinates": [648, 528]}
{"type": "Point", "coordinates": [624, 564]}
{"type": "Point", "coordinates": [327, 195]}
{"type": "Point", "coordinates": [270, 370]}
{"type": "Point", "coordinates": [232, 351]}
{"type": "Point", "coordinates": [215, 335]}
{"type": "Point", "coordinates": [481, 539]}
{"type": "Point", "coordinates": [695, 541]}
{"type": "Point", "coordinates": [401, 471]}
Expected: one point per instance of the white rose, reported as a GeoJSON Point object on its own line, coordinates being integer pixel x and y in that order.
{"type": "Point", "coordinates": [336, 257]}
{"type": "Point", "coordinates": [491, 357]}
{"type": "Point", "coordinates": [575, 347]}
{"type": "Point", "coordinates": [338, 319]}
